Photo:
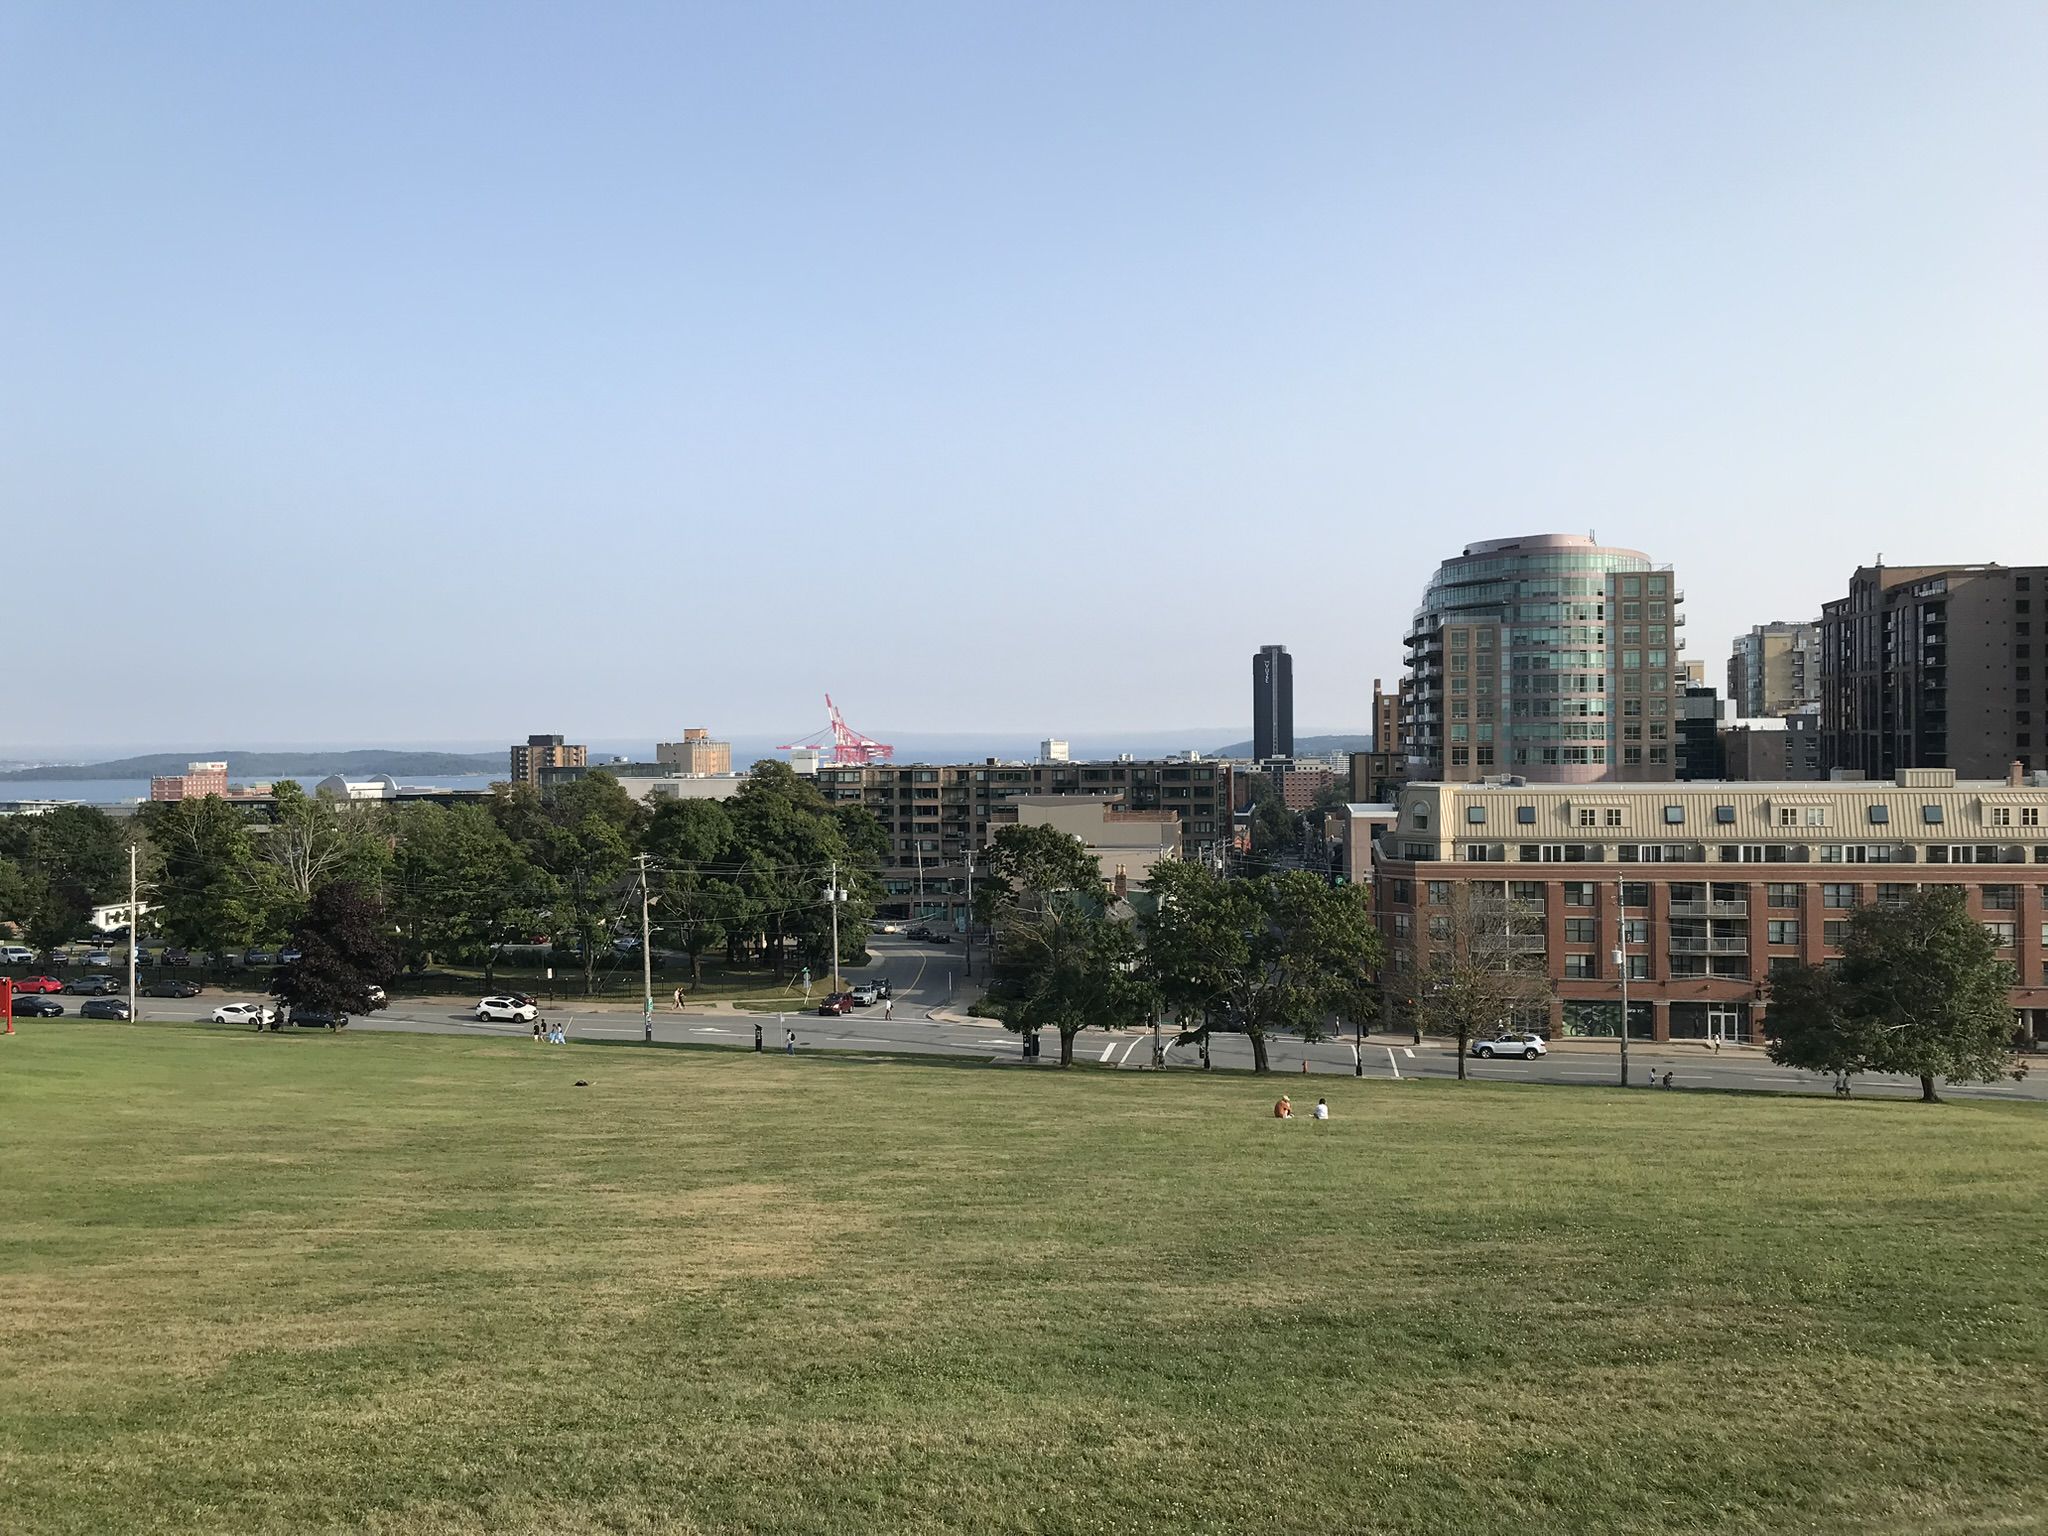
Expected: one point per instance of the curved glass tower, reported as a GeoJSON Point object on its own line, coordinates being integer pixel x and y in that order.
{"type": "Point", "coordinates": [1549, 656]}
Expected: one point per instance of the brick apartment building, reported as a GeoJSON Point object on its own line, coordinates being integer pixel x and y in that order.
{"type": "Point", "coordinates": [1716, 882]}
{"type": "Point", "coordinates": [544, 752]}
{"type": "Point", "coordinates": [197, 782]}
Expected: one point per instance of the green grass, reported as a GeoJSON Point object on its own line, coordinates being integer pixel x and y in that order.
{"type": "Point", "coordinates": [405, 1284]}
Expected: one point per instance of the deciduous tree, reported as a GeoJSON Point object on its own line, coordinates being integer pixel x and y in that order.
{"type": "Point", "coordinates": [345, 948]}
{"type": "Point", "coordinates": [1474, 964]}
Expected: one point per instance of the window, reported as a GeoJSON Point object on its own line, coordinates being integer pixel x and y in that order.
{"type": "Point", "coordinates": [1674, 815]}
{"type": "Point", "coordinates": [2001, 898]}
{"type": "Point", "coordinates": [1404, 927]}
{"type": "Point", "coordinates": [1816, 816]}
{"type": "Point", "coordinates": [1892, 895]}
{"type": "Point", "coordinates": [2030, 815]}
{"type": "Point", "coordinates": [1784, 930]}
{"type": "Point", "coordinates": [1724, 815]}
{"type": "Point", "coordinates": [1782, 895]}
{"type": "Point", "coordinates": [1638, 967]}
{"type": "Point", "coordinates": [1476, 815]}
{"type": "Point", "coordinates": [1581, 967]}
{"type": "Point", "coordinates": [1525, 815]}
{"type": "Point", "coordinates": [1525, 890]}
{"type": "Point", "coordinates": [1439, 892]}
{"type": "Point", "coordinates": [1838, 898]}
{"type": "Point", "coordinates": [1439, 928]}
{"type": "Point", "coordinates": [1880, 814]}
{"type": "Point", "coordinates": [1635, 893]}
{"type": "Point", "coordinates": [1834, 934]}
{"type": "Point", "coordinates": [1636, 931]}
{"type": "Point", "coordinates": [1402, 892]}
{"type": "Point", "coordinates": [2001, 815]}
{"type": "Point", "coordinates": [1931, 815]}
{"type": "Point", "coordinates": [1578, 893]}
{"type": "Point", "coordinates": [1579, 930]}
{"type": "Point", "coordinates": [1788, 815]}
{"type": "Point", "coordinates": [1588, 817]}
{"type": "Point", "coordinates": [2001, 934]}
{"type": "Point", "coordinates": [1611, 817]}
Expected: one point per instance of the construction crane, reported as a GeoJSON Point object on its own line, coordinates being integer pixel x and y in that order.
{"type": "Point", "coordinates": [849, 748]}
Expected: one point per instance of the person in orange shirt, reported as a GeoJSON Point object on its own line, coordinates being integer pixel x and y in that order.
{"type": "Point", "coordinates": [1284, 1110]}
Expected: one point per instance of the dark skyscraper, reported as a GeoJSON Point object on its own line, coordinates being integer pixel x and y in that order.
{"type": "Point", "coordinates": [1272, 703]}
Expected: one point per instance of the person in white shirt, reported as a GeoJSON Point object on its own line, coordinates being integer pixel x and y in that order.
{"type": "Point", "coordinates": [1322, 1109]}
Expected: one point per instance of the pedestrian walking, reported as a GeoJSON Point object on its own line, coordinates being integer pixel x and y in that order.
{"type": "Point", "coordinates": [1667, 1079]}
{"type": "Point", "coordinates": [888, 1008]}
{"type": "Point", "coordinates": [789, 1042]}
{"type": "Point", "coordinates": [536, 1029]}
{"type": "Point", "coordinates": [679, 999]}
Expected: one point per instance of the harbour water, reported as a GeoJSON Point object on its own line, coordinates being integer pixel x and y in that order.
{"type": "Point", "coordinates": [118, 792]}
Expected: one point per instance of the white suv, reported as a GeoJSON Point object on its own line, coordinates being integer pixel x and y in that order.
{"type": "Point", "coordinates": [506, 1010]}
{"type": "Point", "coordinates": [258, 1014]}
{"type": "Point", "coordinates": [1528, 1047]}
{"type": "Point", "coordinates": [14, 954]}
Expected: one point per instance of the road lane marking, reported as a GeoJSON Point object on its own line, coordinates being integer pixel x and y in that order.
{"type": "Point", "coordinates": [1408, 1051]}
{"type": "Point", "coordinates": [1107, 1049]}
{"type": "Point", "coordinates": [1394, 1064]}
{"type": "Point", "coordinates": [1124, 1060]}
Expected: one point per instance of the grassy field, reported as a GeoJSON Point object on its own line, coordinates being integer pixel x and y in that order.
{"type": "Point", "coordinates": [406, 1284]}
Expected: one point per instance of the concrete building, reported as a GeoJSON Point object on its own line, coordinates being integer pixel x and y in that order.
{"type": "Point", "coordinates": [1053, 750]}
{"type": "Point", "coordinates": [1126, 844]}
{"type": "Point", "coordinates": [335, 787]}
{"type": "Point", "coordinates": [1363, 825]}
{"type": "Point", "coordinates": [1778, 749]}
{"type": "Point", "coordinates": [542, 752]}
{"type": "Point", "coordinates": [1933, 667]}
{"type": "Point", "coordinates": [804, 761]}
{"type": "Point", "coordinates": [695, 753]}
{"type": "Point", "coordinates": [1707, 887]}
{"type": "Point", "coordinates": [1372, 777]}
{"type": "Point", "coordinates": [1272, 703]}
{"type": "Point", "coordinates": [197, 782]}
{"type": "Point", "coordinates": [937, 814]}
{"type": "Point", "coordinates": [649, 783]}
{"type": "Point", "coordinates": [1774, 669]}
{"type": "Point", "coordinates": [1549, 656]}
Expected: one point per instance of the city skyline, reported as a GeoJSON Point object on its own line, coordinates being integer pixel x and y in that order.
{"type": "Point", "coordinates": [645, 354]}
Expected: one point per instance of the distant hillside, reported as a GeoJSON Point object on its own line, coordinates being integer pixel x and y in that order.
{"type": "Point", "coordinates": [277, 765]}
{"type": "Point", "coordinates": [1305, 746]}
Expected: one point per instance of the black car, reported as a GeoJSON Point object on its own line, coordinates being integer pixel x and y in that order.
{"type": "Point", "coordinates": [317, 1018]}
{"type": "Point", "coordinates": [32, 1005]}
{"type": "Point", "coordinates": [172, 988]}
{"type": "Point", "coordinates": [92, 986]}
{"type": "Point", "coordinates": [106, 1008]}
{"type": "Point", "coordinates": [176, 957]}
{"type": "Point", "coordinates": [940, 936]}
{"type": "Point", "coordinates": [260, 957]}
{"type": "Point", "coordinates": [920, 931]}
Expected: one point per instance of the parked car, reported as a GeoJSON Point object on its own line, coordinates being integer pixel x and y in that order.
{"type": "Point", "coordinates": [258, 1014]}
{"type": "Point", "coordinates": [865, 995]}
{"type": "Point", "coordinates": [835, 1003]}
{"type": "Point", "coordinates": [288, 957]}
{"type": "Point", "coordinates": [106, 1008]}
{"type": "Point", "coordinates": [38, 984]}
{"type": "Point", "coordinates": [172, 987]}
{"type": "Point", "coordinates": [98, 957]}
{"type": "Point", "coordinates": [505, 1010]}
{"type": "Point", "coordinates": [92, 986]}
{"type": "Point", "coordinates": [1528, 1047]}
{"type": "Point", "coordinates": [260, 957]}
{"type": "Point", "coordinates": [37, 1006]}
{"type": "Point", "coordinates": [318, 1018]}
{"type": "Point", "coordinates": [15, 954]}
{"type": "Point", "coordinates": [177, 957]}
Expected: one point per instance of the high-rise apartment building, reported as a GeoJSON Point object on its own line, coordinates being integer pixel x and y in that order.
{"type": "Point", "coordinates": [1549, 656]}
{"type": "Point", "coordinates": [695, 753]}
{"type": "Point", "coordinates": [544, 752]}
{"type": "Point", "coordinates": [1272, 703]}
{"type": "Point", "coordinates": [1774, 669]}
{"type": "Point", "coordinates": [1054, 750]}
{"type": "Point", "coordinates": [1931, 666]}
{"type": "Point", "coordinates": [1386, 719]}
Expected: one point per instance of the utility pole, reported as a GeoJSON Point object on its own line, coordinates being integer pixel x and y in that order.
{"type": "Point", "coordinates": [970, 912]}
{"type": "Point", "coordinates": [834, 895]}
{"type": "Point", "coordinates": [1621, 960]}
{"type": "Point", "coordinates": [134, 930]}
{"type": "Point", "coordinates": [646, 961]}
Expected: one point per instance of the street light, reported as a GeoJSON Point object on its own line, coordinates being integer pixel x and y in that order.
{"type": "Point", "coordinates": [1621, 964]}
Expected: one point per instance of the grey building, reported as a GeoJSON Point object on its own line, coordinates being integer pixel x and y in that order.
{"type": "Point", "coordinates": [1774, 669]}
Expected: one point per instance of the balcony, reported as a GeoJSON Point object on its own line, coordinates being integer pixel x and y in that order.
{"type": "Point", "coordinates": [1709, 946]}
{"type": "Point", "coordinates": [1710, 909]}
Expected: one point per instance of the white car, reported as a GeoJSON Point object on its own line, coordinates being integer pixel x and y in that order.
{"type": "Point", "coordinates": [505, 1010]}
{"type": "Point", "coordinates": [14, 954]}
{"type": "Point", "coordinates": [1528, 1047]}
{"type": "Point", "coordinates": [866, 995]}
{"type": "Point", "coordinates": [258, 1014]}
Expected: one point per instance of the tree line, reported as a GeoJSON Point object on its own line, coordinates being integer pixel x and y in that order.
{"type": "Point", "coordinates": [744, 877]}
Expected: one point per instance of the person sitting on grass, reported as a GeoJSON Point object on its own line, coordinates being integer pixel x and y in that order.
{"type": "Point", "coordinates": [1284, 1110]}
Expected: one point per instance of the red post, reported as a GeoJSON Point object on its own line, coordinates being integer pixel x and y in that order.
{"type": "Point", "coordinates": [7, 1002]}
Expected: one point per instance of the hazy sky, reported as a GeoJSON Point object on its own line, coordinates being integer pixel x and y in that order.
{"type": "Point", "coordinates": [434, 370]}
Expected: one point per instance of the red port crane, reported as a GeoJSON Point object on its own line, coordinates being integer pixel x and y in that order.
{"type": "Point", "coordinates": [849, 748]}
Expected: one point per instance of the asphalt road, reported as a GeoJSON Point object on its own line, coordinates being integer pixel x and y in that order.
{"type": "Point", "coordinates": [931, 987]}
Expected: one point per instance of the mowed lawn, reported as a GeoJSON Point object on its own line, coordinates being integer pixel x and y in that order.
{"type": "Point", "coordinates": [395, 1283]}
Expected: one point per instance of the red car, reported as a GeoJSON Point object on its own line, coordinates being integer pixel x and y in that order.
{"type": "Point", "coordinates": [838, 1002]}
{"type": "Point", "coordinates": [38, 984]}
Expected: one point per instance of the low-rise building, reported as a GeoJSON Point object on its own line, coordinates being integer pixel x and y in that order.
{"type": "Point", "coordinates": [695, 753]}
{"type": "Point", "coordinates": [198, 781]}
{"type": "Point", "coordinates": [1126, 844]}
{"type": "Point", "coordinates": [649, 783]}
{"type": "Point", "coordinates": [1704, 888]}
{"type": "Point", "coordinates": [1780, 748]}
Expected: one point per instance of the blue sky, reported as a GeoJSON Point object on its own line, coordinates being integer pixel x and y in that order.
{"type": "Point", "coordinates": [438, 371]}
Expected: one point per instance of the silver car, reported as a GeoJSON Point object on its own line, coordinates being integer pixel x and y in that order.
{"type": "Point", "coordinates": [1528, 1047]}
